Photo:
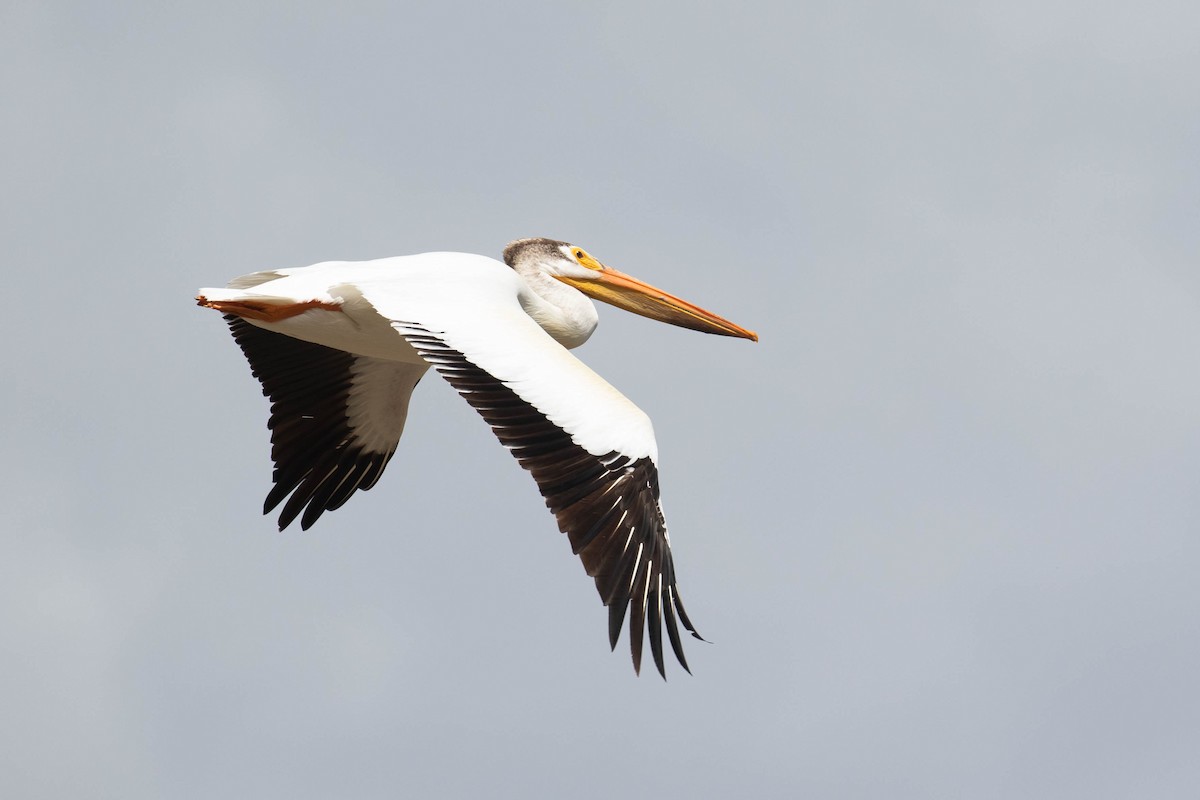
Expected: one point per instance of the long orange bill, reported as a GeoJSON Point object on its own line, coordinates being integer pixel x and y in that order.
{"type": "Point", "coordinates": [627, 292]}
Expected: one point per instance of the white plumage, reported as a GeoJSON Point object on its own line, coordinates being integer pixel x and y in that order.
{"type": "Point", "coordinates": [339, 347]}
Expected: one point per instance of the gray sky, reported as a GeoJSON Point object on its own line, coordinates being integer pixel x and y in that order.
{"type": "Point", "coordinates": [941, 525]}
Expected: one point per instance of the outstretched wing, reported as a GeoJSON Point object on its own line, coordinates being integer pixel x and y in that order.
{"type": "Point", "coordinates": [590, 450]}
{"type": "Point", "coordinates": [336, 418]}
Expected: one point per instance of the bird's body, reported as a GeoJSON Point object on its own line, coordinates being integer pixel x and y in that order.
{"type": "Point", "coordinates": [339, 347]}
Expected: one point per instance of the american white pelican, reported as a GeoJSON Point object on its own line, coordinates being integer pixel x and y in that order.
{"type": "Point", "coordinates": [339, 347]}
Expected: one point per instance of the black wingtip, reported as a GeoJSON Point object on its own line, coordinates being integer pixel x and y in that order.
{"type": "Point", "coordinates": [281, 523]}
{"type": "Point", "coordinates": [616, 619]}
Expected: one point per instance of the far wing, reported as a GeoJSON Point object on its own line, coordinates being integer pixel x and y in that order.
{"type": "Point", "coordinates": [336, 418]}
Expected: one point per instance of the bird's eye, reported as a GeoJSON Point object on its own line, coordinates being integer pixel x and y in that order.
{"type": "Point", "coordinates": [579, 254]}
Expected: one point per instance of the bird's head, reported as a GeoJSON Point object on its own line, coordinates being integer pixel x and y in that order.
{"type": "Point", "coordinates": [576, 267]}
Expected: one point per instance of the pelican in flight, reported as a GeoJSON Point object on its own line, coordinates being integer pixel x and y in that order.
{"type": "Point", "coordinates": [339, 347]}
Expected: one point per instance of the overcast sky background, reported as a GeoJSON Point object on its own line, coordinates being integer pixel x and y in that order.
{"type": "Point", "coordinates": [941, 525]}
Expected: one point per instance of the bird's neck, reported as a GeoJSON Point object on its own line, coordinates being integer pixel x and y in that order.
{"type": "Point", "coordinates": [562, 311]}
